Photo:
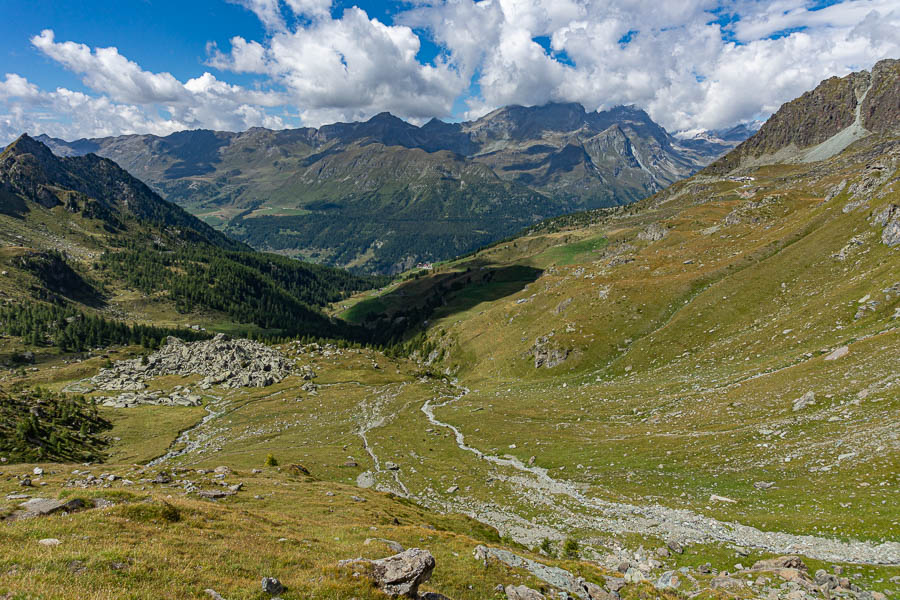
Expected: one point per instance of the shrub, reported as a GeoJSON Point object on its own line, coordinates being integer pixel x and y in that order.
{"type": "Point", "coordinates": [271, 461]}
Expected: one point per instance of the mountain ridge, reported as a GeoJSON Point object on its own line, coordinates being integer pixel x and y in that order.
{"type": "Point", "coordinates": [517, 164]}
{"type": "Point", "coordinates": [837, 112]}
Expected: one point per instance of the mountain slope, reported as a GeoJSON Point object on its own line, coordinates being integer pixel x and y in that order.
{"type": "Point", "coordinates": [383, 195]}
{"type": "Point", "coordinates": [734, 336]}
{"type": "Point", "coordinates": [91, 185]}
{"type": "Point", "coordinates": [824, 121]}
{"type": "Point", "coordinates": [81, 230]}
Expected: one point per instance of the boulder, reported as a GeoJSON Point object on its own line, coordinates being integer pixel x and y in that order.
{"type": "Point", "coordinates": [595, 592]}
{"type": "Point", "coordinates": [614, 584]}
{"type": "Point", "coordinates": [668, 581]}
{"type": "Point", "coordinates": [403, 573]}
{"type": "Point", "coordinates": [839, 353]}
{"type": "Point", "coordinates": [38, 507]}
{"type": "Point", "coordinates": [781, 562]}
{"type": "Point", "coordinates": [272, 586]}
{"type": "Point", "coordinates": [803, 401]}
{"type": "Point", "coordinates": [521, 592]}
{"type": "Point", "coordinates": [49, 542]}
{"type": "Point", "coordinates": [723, 582]}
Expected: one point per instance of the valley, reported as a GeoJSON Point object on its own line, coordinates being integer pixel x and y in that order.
{"type": "Point", "coordinates": [694, 395]}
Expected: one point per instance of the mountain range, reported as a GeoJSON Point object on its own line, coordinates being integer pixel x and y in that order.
{"type": "Point", "coordinates": [383, 195]}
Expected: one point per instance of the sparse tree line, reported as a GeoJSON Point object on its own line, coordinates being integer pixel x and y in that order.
{"type": "Point", "coordinates": [38, 425]}
{"type": "Point", "coordinates": [71, 330]}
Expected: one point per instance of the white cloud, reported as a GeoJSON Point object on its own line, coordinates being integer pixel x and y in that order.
{"type": "Point", "coordinates": [673, 59]}
{"type": "Point", "coordinates": [670, 58]}
{"type": "Point", "coordinates": [126, 99]}
{"type": "Point", "coordinates": [351, 68]}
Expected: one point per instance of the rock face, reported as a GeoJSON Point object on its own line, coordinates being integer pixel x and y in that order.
{"type": "Point", "coordinates": [403, 573]}
{"type": "Point", "coordinates": [889, 220]}
{"type": "Point", "coordinates": [546, 355]}
{"type": "Point", "coordinates": [824, 112]}
{"type": "Point", "coordinates": [230, 363]}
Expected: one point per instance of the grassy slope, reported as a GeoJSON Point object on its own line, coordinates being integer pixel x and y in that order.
{"type": "Point", "coordinates": [684, 363]}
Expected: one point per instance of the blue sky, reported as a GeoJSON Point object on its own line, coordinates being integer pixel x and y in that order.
{"type": "Point", "coordinates": [100, 67]}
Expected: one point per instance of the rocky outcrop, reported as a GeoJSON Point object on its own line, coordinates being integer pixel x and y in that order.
{"type": "Point", "coordinates": [400, 574]}
{"type": "Point", "coordinates": [751, 212]}
{"type": "Point", "coordinates": [653, 233]}
{"type": "Point", "coordinates": [231, 363]}
{"type": "Point", "coordinates": [547, 355]}
{"type": "Point", "coordinates": [178, 397]}
{"type": "Point", "coordinates": [889, 220]}
{"type": "Point", "coordinates": [554, 576]}
{"type": "Point", "coordinates": [521, 592]}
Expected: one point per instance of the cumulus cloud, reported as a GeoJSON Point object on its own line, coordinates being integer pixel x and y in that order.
{"type": "Point", "coordinates": [679, 61]}
{"type": "Point", "coordinates": [351, 67]}
{"type": "Point", "coordinates": [694, 64]}
{"type": "Point", "coordinates": [126, 98]}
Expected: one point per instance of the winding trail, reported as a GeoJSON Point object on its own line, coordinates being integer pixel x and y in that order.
{"type": "Point", "coordinates": [576, 510]}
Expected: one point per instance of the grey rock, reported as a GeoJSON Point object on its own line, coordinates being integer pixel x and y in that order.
{"type": "Point", "coordinates": [553, 576]}
{"type": "Point", "coordinates": [839, 353]}
{"type": "Point", "coordinates": [595, 592]}
{"type": "Point", "coordinates": [522, 592]}
{"type": "Point", "coordinates": [546, 354]}
{"type": "Point", "coordinates": [403, 573]}
{"type": "Point", "coordinates": [215, 494]}
{"type": "Point", "coordinates": [633, 575]}
{"type": "Point", "coordinates": [614, 584]}
{"type": "Point", "coordinates": [654, 232]}
{"type": "Point", "coordinates": [49, 542]}
{"type": "Point", "coordinates": [222, 361]}
{"type": "Point", "coordinates": [723, 582]}
{"type": "Point", "coordinates": [668, 581]}
{"type": "Point", "coordinates": [781, 562]}
{"type": "Point", "coordinates": [803, 401]}
{"type": "Point", "coordinates": [272, 586]}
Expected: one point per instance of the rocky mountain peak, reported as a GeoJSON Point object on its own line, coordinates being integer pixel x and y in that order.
{"type": "Point", "coordinates": [824, 121]}
{"type": "Point", "coordinates": [25, 144]}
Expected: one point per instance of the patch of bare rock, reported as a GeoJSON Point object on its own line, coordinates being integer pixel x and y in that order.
{"type": "Point", "coordinates": [229, 363]}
